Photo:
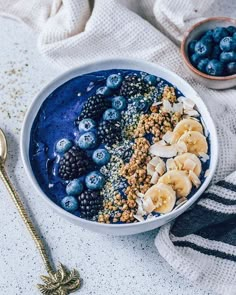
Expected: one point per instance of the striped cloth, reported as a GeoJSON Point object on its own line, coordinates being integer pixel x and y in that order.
{"type": "Point", "coordinates": [201, 244]}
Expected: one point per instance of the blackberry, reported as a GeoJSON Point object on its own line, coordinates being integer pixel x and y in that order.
{"type": "Point", "coordinates": [133, 85]}
{"type": "Point", "coordinates": [90, 203]}
{"type": "Point", "coordinates": [109, 132]}
{"type": "Point", "coordinates": [94, 108]}
{"type": "Point", "coordinates": [73, 164]}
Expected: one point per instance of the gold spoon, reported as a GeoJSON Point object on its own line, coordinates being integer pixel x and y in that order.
{"type": "Point", "coordinates": [60, 282]}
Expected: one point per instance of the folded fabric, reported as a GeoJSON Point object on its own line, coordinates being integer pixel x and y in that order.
{"type": "Point", "coordinates": [201, 244]}
{"type": "Point", "coordinates": [72, 33]}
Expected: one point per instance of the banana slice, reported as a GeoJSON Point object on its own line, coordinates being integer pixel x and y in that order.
{"type": "Point", "coordinates": [195, 141]}
{"type": "Point", "coordinates": [163, 197]}
{"type": "Point", "coordinates": [178, 180]}
{"type": "Point", "coordinates": [188, 162]}
{"type": "Point", "coordinates": [186, 125]}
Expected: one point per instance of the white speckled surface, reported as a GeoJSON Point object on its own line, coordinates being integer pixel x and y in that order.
{"type": "Point", "coordinates": [108, 265]}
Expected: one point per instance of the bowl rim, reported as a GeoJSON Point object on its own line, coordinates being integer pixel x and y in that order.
{"type": "Point", "coordinates": [39, 99]}
{"type": "Point", "coordinates": [185, 55]}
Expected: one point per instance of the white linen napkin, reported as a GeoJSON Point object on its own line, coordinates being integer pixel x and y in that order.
{"type": "Point", "coordinates": [73, 32]}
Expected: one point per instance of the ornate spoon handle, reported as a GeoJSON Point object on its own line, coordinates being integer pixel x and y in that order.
{"type": "Point", "coordinates": [61, 282]}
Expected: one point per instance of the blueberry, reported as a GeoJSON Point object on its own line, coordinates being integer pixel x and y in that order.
{"type": "Point", "coordinates": [228, 56]}
{"type": "Point", "coordinates": [231, 30]}
{"type": "Point", "coordinates": [104, 91]}
{"type": "Point", "coordinates": [207, 38]}
{"type": "Point", "coordinates": [74, 187]}
{"type": "Point", "coordinates": [114, 81]}
{"type": "Point", "coordinates": [119, 103]}
{"type": "Point", "coordinates": [94, 180]}
{"type": "Point", "coordinates": [203, 49]}
{"type": "Point", "coordinates": [215, 68]}
{"type": "Point", "coordinates": [231, 68]}
{"type": "Point", "coordinates": [87, 140]}
{"type": "Point", "coordinates": [151, 80]}
{"type": "Point", "coordinates": [191, 46]}
{"type": "Point", "coordinates": [69, 203]}
{"type": "Point", "coordinates": [141, 104]}
{"type": "Point", "coordinates": [202, 64]}
{"type": "Point", "coordinates": [234, 36]}
{"type": "Point", "coordinates": [63, 145]}
{"type": "Point", "coordinates": [209, 33]}
{"type": "Point", "coordinates": [87, 125]}
{"type": "Point", "coordinates": [219, 33]}
{"type": "Point", "coordinates": [226, 44]}
{"type": "Point", "coordinates": [234, 45]}
{"type": "Point", "coordinates": [101, 157]}
{"type": "Point", "coordinates": [216, 52]}
{"type": "Point", "coordinates": [195, 59]}
{"type": "Point", "coordinates": [111, 114]}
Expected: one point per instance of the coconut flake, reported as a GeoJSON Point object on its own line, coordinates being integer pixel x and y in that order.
{"type": "Point", "coordinates": [181, 98]}
{"type": "Point", "coordinates": [189, 164]}
{"type": "Point", "coordinates": [204, 157]}
{"type": "Point", "coordinates": [154, 161]}
{"type": "Point", "coordinates": [140, 210]}
{"type": "Point", "coordinates": [154, 178]}
{"type": "Point", "coordinates": [167, 106]}
{"type": "Point", "coordinates": [139, 217]}
{"type": "Point", "coordinates": [150, 169]}
{"type": "Point", "coordinates": [181, 147]}
{"type": "Point", "coordinates": [167, 151]}
{"type": "Point", "coordinates": [178, 107]}
{"type": "Point", "coordinates": [140, 195]}
{"type": "Point", "coordinates": [162, 142]}
{"type": "Point", "coordinates": [148, 205]}
{"type": "Point", "coordinates": [195, 180]}
{"type": "Point", "coordinates": [207, 173]}
{"type": "Point", "coordinates": [188, 104]}
{"type": "Point", "coordinates": [157, 103]}
{"type": "Point", "coordinates": [180, 203]}
{"type": "Point", "coordinates": [168, 136]}
{"type": "Point", "coordinates": [151, 216]}
{"type": "Point", "coordinates": [160, 167]}
{"type": "Point", "coordinates": [171, 165]}
{"type": "Point", "coordinates": [192, 113]}
{"type": "Point", "coordinates": [206, 132]}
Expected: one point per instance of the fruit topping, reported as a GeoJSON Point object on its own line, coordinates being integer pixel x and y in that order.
{"type": "Point", "coordinates": [74, 187]}
{"type": "Point", "coordinates": [109, 132]}
{"type": "Point", "coordinates": [73, 164]}
{"type": "Point", "coordinates": [119, 103]}
{"type": "Point", "coordinates": [111, 114]}
{"type": "Point", "coordinates": [114, 81]}
{"type": "Point", "coordinates": [87, 125]}
{"type": "Point", "coordinates": [94, 180]}
{"type": "Point", "coordinates": [101, 157]}
{"type": "Point", "coordinates": [90, 202]}
{"type": "Point", "coordinates": [69, 203]}
{"type": "Point", "coordinates": [63, 145]}
{"type": "Point", "coordinates": [94, 108]}
{"type": "Point", "coordinates": [133, 85]}
{"type": "Point", "coordinates": [87, 140]}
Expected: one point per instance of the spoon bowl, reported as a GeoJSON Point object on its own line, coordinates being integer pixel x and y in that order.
{"type": "Point", "coordinates": [3, 147]}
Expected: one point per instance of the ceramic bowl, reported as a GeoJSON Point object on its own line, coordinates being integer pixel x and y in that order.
{"type": "Point", "coordinates": [194, 33]}
{"type": "Point", "coordinates": [183, 86]}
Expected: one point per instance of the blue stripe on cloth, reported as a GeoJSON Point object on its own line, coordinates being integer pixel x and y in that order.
{"type": "Point", "coordinates": [199, 219]}
{"type": "Point", "coordinates": [220, 199]}
{"type": "Point", "coordinates": [227, 185]}
{"type": "Point", "coordinates": [206, 251]}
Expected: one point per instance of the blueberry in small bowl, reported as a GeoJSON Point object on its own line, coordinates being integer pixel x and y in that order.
{"type": "Point", "coordinates": [209, 52]}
